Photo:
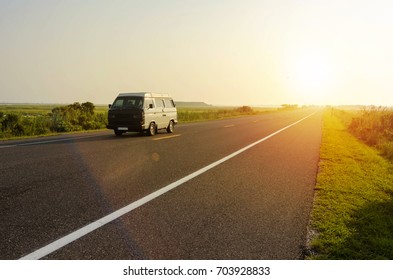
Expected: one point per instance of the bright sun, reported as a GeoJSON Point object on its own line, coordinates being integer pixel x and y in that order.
{"type": "Point", "coordinates": [311, 76]}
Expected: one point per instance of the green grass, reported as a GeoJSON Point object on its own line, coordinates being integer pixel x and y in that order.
{"type": "Point", "coordinates": [31, 116]}
{"type": "Point", "coordinates": [27, 109]}
{"type": "Point", "coordinates": [215, 113]}
{"type": "Point", "coordinates": [40, 109]}
{"type": "Point", "coordinates": [374, 126]}
{"type": "Point", "coordinates": [353, 207]}
{"type": "Point", "coordinates": [31, 120]}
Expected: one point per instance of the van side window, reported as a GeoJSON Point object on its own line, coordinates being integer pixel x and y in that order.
{"type": "Point", "coordinates": [159, 103]}
{"type": "Point", "coordinates": [169, 103]}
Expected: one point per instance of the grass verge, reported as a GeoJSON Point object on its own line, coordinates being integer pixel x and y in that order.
{"type": "Point", "coordinates": [215, 113]}
{"type": "Point", "coordinates": [32, 120]}
{"type": "Point", "coordinates": [353, 206]}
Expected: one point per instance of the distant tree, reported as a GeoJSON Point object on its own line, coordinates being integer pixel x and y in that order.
{"type": "Point", "coordinates": [76, 106]}
{"type": "Point", "coordinates": [245, 109]}
{"type": "Point", "coordinates": [88, 108]}
{"type": "Point", "coordinates": [74, 117]}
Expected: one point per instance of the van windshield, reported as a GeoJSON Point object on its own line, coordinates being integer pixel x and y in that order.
{"type": "Point", "coordinates": [128, 102]}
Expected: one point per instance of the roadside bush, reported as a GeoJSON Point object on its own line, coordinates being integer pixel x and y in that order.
{"type": "Point", "coordinates": [101, 120]}
{"type": "Point", "coordinates": [73, 117]}
{"type": "Point", "coordinates": [11, 124]}
{"type": "Point", "coordinates": [61, 126]}
{"type": "Point", "coordinates": [42, 125]}
{"type": "Point", "coordinates": [9, 121]}
{"type": "Point", "coordinates": [374, 126]}
{"type": "Point", "coordinates": [386, 149]}
{"type": "Point", "coordinates": [245, 110]}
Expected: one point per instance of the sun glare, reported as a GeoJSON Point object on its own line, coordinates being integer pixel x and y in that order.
{"type": "Point", "coordinates": [311, 77]}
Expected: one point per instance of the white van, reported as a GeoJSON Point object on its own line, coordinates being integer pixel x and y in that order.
{"type": "Point", "coordinates": [142, 111]}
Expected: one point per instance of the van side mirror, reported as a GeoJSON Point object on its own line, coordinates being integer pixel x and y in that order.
{"type": "Point", "coordinates": [109, 106]}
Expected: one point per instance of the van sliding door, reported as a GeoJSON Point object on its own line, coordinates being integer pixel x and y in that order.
{"type": "Point", "coordinates": [160, 115]}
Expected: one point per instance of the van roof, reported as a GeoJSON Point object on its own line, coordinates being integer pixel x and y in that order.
{"type": "Point", "coordinates": [145, 94]}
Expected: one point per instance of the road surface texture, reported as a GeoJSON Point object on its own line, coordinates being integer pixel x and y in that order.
{"type": "Point", "coordinates": [254, 204]}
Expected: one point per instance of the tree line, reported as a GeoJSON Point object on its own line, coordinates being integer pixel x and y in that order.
{"type": "Point", "coordinates": [72, 117]}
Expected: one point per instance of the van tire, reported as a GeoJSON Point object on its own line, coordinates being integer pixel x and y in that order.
{"type": "Point", "coordinates": [171, 127]}
{"type": "Point", "coordinates": [152, 129]}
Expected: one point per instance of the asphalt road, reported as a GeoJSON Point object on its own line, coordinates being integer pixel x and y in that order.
{"type": "Point", "coordinates": [253, 205]}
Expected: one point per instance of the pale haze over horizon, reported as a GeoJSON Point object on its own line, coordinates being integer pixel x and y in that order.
{"type": "Point", "coordinates": [225, 52]}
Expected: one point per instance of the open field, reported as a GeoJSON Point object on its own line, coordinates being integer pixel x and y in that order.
{"type": "Point", "coordinates": [353, 203]}
{"type": "Point", "coordinates": [40, 109]}
{"type": "Point", "coordinates": [192, 114]}
{"type": "Point", "coordinates": [20, 120]}
{"type": "Point", "coordinates": [43, 109]}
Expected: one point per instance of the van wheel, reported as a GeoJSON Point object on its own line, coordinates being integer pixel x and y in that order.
{"type": "Point", "coordinates": [118, 132]}
{"type": "Point", "coordinates": [152, 129]}
{"type": "Point", "coordinates": [171, 127]}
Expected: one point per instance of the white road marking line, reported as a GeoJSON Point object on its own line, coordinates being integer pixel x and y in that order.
{"type": "Point", "coordinates": [165, 137]}
{"type": "Point", "coordinates": [229, 125]}
{"type": "Point", "coordinates": [63, 241]}
{"type": "Point", "coordinates": [8, 146]}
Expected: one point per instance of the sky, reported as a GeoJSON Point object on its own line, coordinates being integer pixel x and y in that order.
{"type": "Point", "coordinates": [222, 52]}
